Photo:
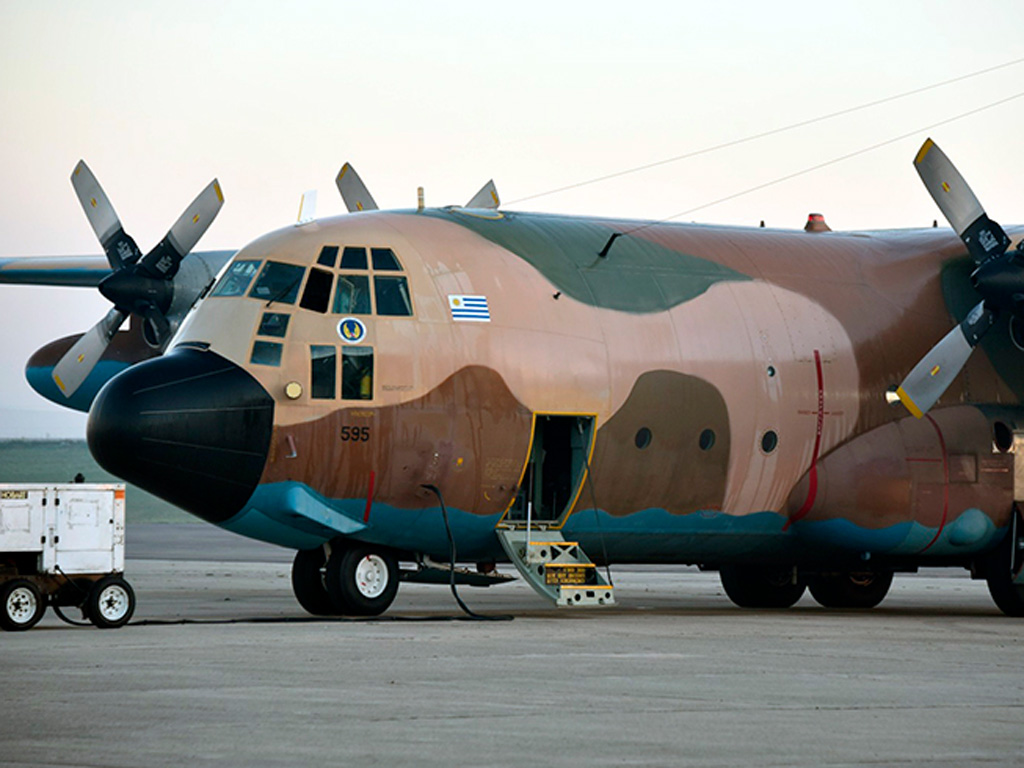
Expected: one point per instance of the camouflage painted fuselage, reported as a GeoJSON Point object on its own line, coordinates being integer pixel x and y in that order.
{"type": "Point", "coordinates": [736, 378]}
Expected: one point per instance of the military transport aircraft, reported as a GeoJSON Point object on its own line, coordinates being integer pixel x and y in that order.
{"type": "Point", "coordinates": [565, 392]}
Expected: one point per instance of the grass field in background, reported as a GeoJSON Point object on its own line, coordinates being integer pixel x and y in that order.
{"type": "Point", "coordinates": [57, 461]}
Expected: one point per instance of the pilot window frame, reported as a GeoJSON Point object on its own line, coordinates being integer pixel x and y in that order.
{"type": "Point", "coordinates": [376, 279]}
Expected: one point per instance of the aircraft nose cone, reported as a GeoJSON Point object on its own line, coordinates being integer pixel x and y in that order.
{"type": "Point", "coordinates": [190, 427]}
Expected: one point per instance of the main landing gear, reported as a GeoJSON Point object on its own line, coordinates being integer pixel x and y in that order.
{"type": "Point", "coordinates": [777, 586]}
{"type": "Point", "coordinates": [1004, 570]}
{"type": "Point", "coordinates": [353, 580]}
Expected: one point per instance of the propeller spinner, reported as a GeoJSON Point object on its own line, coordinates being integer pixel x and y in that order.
{"type": "Point", "coordinates": [998, 278]}
{"type": "Point", "coordinates": [139, 285]}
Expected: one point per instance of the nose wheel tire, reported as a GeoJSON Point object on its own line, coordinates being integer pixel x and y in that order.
{"type": "Point", "coordinates": [362, 580]}
{"type": "Point", "coordinates": [308, 581]}
{"type": "Point", "coordinates": [22, 605]}
{"type": "Point", "coordinates": [850, 590]}
{"type": "Point", "coordinates": [761, 586]}
{"type": "Point", "coordinates": [111, 603]}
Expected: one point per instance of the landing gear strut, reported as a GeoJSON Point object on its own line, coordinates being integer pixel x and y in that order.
{"type": "Point", "coordinates": [762, 586]}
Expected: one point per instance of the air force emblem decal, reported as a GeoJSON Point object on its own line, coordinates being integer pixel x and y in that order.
{"type": "Point", "coordinates": [351, 330]}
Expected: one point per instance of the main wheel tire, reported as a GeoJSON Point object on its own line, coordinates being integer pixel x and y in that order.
{"type": "Point", "coordinates": [761, 586]}
{"type": "Point", "coordinates": [308, 581]}
{"type": "Point", "coordinates": [362, 580]}
{"type": "Point", "coordinates": [864, 589]}
{"type": "Point", "coordinates": [22, 605]}
{"type": "Point", "coordinates": [111, 603]}
{"type": "Point", "coordinates": [1008, 597]}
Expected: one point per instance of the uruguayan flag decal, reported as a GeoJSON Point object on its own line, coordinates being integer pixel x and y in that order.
{"type": "Point", "coordinates": [473, 308]}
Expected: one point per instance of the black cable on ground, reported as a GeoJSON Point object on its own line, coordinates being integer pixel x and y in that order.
{"type": "Point", "coordinates": [85, 596]}
{"type": "Point", "coordinates": [451, 557]}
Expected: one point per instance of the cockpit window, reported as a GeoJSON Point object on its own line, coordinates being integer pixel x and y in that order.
{"type": "Point", "coordinates": [353, 258]}
{"type": "Point", "coordinates": [236, 280]}
{"type": "Point", "coordinates": [328, 255]}
{"type": "Point", "coordinates": [317, 295]}
{"type": "Point", "coordinates": [273, 324]}
{"type": "Point", "coordinates": [392, 294]}
{"type": "Point", "coordinates": [323, 372]}
{"type": "Point", "coordinates": [352, 296]}
{"type": "Point", "coordinates": [278, 283]}
{"type": "Point", "coordinates": [357, 373]}
{"type": "Point", "coordinates": [384, 260]}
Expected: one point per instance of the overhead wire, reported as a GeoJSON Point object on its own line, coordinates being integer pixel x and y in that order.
{"type": "Point", "coordinates": [771, 132]}
{"type": "Point", "coordinates": [825, 164]}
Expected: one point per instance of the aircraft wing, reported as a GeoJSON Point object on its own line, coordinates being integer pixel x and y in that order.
{"type": "Point", "coordinates": [78, 271]}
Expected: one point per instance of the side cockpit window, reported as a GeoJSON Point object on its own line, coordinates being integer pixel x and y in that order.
{"type": "Point", "coordinates": [236, 279]}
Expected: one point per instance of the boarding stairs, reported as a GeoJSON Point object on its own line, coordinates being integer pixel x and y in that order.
{"type": "Point", "coordinates": [556, 569]}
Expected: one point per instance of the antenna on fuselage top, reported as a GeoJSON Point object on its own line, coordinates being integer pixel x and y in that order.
{"type": "Point", "coordinates": [307, 208]}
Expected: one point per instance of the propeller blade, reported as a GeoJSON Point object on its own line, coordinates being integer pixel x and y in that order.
{"type": "Point", "coordinates": [119, 247]}
{"type": "Point", "coordinates": [353, 191]}
{"type": "Point", "coordinates": [165, 258]}
{"type": "Point", "coordinates": [487, 197]}
{"type": "Point", "coordinates": [78, 362]}
{"type": "Point", "coordinates": [984, 238]}
{"type": "Point", "coordinates": [934, 373]}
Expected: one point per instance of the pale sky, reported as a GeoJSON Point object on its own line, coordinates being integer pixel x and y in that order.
{"type": "Point", "coordinates": [273, 97]}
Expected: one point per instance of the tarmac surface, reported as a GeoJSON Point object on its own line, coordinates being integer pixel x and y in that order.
{"type": "Point", "coordinates": [673, 675]}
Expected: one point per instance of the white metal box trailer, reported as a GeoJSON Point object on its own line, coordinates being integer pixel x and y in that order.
{"type": "Point", "coordinates": [63, 545]}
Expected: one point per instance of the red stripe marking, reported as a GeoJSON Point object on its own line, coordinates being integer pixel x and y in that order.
{"type": "Point", "coordinates": [812, 490]}
{"type": "Point", "coordinates": [945, 485]}
{"type": "Point", "coordinates": [369, 498]}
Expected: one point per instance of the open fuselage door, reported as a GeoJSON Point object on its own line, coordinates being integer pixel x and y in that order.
{"type": "Point", "coordinates": [552, 481]}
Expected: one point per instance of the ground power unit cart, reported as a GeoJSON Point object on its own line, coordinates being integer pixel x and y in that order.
{"type": "Point", "coordinates": [63, 546]}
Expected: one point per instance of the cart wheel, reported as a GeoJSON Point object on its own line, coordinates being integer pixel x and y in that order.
{"type": "Point", "coordinates": [111, 603]}
{"type": "Point", "coordinates": [22, 605]}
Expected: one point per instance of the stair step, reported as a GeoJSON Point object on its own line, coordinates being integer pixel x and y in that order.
{"type": "Point", "coordinates": [556, 569]}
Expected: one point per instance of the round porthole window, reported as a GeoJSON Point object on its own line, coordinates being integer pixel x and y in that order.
{"type": "Point", "coordinates": [707, 439]}
{"type": "Point", "coordinates": [769, 441]}
{"type": "Point", "coordinates": [643, 438]}
{"type": "Point", "coordinates": [1002, 436]}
